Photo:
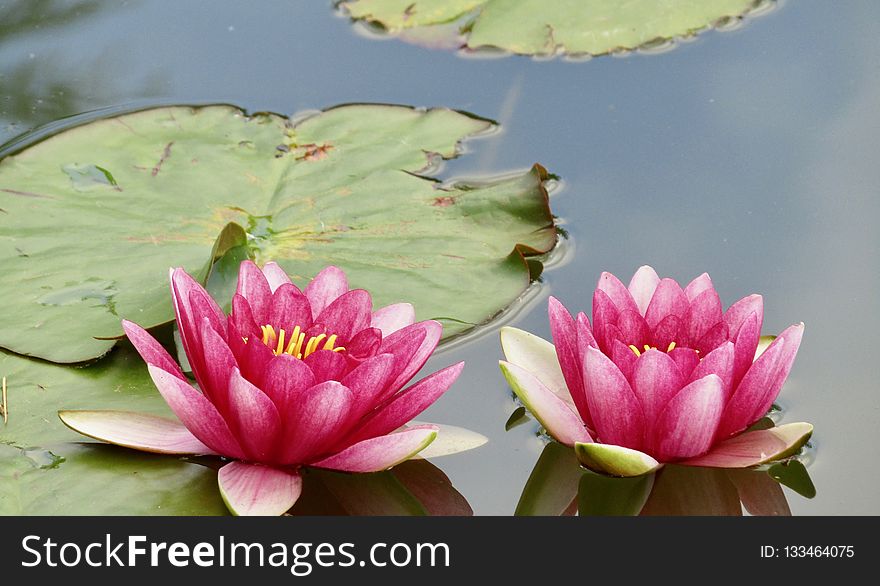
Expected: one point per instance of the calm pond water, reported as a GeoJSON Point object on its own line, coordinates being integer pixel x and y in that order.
{"type": "Point", "coordinates": [750, 154]}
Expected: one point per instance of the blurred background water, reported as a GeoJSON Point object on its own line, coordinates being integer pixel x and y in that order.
{"type": "Point", "coordinates": [751, 154]}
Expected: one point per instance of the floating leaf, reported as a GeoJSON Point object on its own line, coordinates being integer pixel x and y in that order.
{"type": "Point", "coordinates": [346, 186]}
{"type": "Point", "coordinates": [230, 249]}
{"type": "Point", "coordinates": [517, 418]}
{"type": "Point", "coordinates": [42, 472]}
{"type": "Point", "coordinates": [794, 475]}
{"type": "Point", "coordinates": [547, 27]}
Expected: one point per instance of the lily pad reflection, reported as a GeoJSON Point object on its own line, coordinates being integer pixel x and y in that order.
{"type": "Point", "coordinates": [413, 488]}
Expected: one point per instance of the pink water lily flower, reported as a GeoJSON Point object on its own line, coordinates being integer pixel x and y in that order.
{"type": "Point", "coordinates": [290, 378]}
{"type": "Point", "coordinates": [661, 375]}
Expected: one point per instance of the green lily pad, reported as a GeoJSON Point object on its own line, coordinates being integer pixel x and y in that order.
{"type": "Point", "coordinates": [517, 418]}
{"type": "Point", "coordinates": [45, 469]}
{"type": "Point", "coordinates": [349, 186]}
{"type": "Point", "coordinates": [794, 475]}
{"type": "Point", "coordinates": [547, 27]}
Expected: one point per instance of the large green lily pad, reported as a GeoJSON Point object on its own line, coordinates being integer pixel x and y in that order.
{"type": "Point", "coordinates": [547, 27]}
{"type": "Point", "coordinates": [92, 218]}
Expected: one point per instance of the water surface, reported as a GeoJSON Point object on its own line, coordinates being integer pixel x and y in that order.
{"type": "Point", "coordinates": [750, 154]}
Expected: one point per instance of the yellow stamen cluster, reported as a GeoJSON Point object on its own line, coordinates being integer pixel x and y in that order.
{"type": "Point", "coordinates": [297, 345]}
{"type": "Point", "coordinates": [647, 347]}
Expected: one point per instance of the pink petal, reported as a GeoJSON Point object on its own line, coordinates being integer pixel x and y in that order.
{"type": "Point", "coordinates": [367, 382]}
{"type": "Point", "coordinates": [703, 313]}
{"type": "Point", "coordinates": [755, 447]}
{"type": "Point", "coordinates": [317, 422]}
{"type": "Point", "coordinates": [203, 308]}
{"type": "Point", "coordinates": [275, 276]}
{"type": "Point", "coordinates": [605, 315]}
{"type": "Point", "coordinates": [698, 286]}
{"type": "Point", "coordinates": [551, 412]}
{"type": "Point", "coordinates": [619, 295]}
{"type": "Point", "coordinates": [717, 335]}
{"type": "Point", "coordinates": [720, 362]}
{"type": "Point", "coordinates": [325, 288]}
{"type": "Point", "coordinates": [139, 431]}
{"type": "Point", "coordinates": [254, 418]}
{"type": "Point", "coordinates": [667, 331]}
{"type": "Point", "coordinates": [150, 350]}
{"type": "Point", "coordinates": [327, 365]}
{"type": "Point", "coordinates": [566, 342]}
{"type": "Point", "coordinates": [348, 314]}
{"type": "Point", "coordinates": [746, 346]}
{"type": "Point", "coordinates": [383, 452]}
{"type": "Point", "coordinates": [242, 318]}
{"type": "Point", "coordinates": [616, 411]}
{"type": "Point", "coordinates": [290, 308]}
{"type": "Point", "coordinates": [286, 377]}
{"type": "Point", "coordinates": [253, 286]}
{"type": "Point", "coordinates": [655, 380]}
{"type": "Point", "coordinates": [391, 318]}
{"type": "Point", "coordinates": [183, 290]}
{"type": "Point", "coordinates": [687, 425]}
{"type": "Point", "coordinates": [257, 490]}
{"type": "Point", "coordinates": [585, 340]}
{"type": "Point", "coordinates": [584, 333]}
{"type": "Point", "coordinates": [199, 416]}
{"type": "Point", "coordinates": [408, 403]}
{"type": "Point", "coordinates": [217, 366]}
{"type": "Point", "coordinates": [253, 359]}
{"type": "Point", "coordinates": [611, 335]}
{"type": "Point", "coordinates": [642, 287]}
{"type": "Point", "coordinates": [668, 300]}
{"type": "Point", "coordinates": [411, 347]}
{"type": "Point", "coordinates": [364, 344]}
{"type": "Point", "coordinates": [625, 359]}
{"type": "Point", "coordinates": [634, 329]}
{"type": "Point", "coordinates": [762, 383]}
{"type": "Point", "coordinates": [737, 313]}
{"type": "Point", "coordinates": [686, 359]}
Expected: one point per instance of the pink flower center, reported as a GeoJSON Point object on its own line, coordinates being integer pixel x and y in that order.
{"type": "Point", "coordinates": [296, 343]}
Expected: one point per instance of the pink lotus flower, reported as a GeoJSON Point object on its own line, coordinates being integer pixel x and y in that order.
{"type": "Point", "coordinates": [662, 375]}
{"type": "Point", "coordinates": [290, 378]}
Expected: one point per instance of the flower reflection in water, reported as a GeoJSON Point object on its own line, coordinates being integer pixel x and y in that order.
{"type": "Point", "coordinates": [558, 485]}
